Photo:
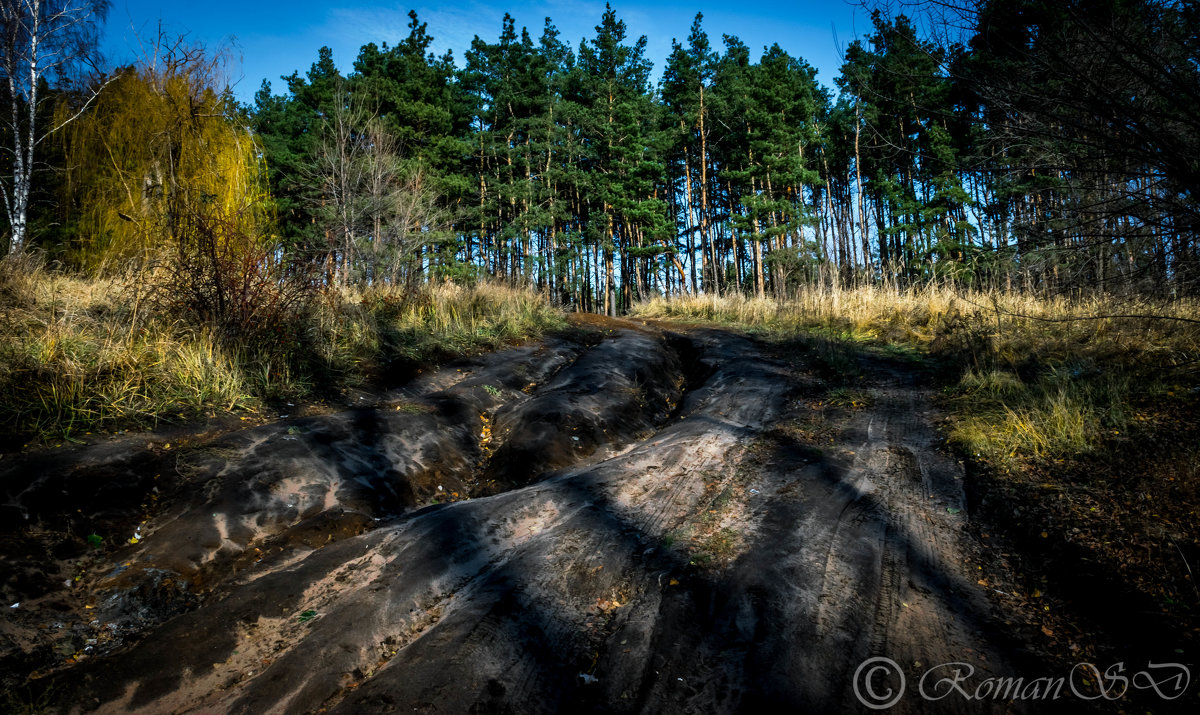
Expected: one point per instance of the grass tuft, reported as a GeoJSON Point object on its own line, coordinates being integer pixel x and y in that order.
{"type": "Point", "coordinates": [80, 354]}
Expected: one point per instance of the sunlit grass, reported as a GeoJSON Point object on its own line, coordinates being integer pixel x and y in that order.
{"type": "Point", "coordinates": [1031, 378]}
{"type": "Point", "coordinates": [72, 359]}
{"type": "Point", "coordinates": [80, 354]}
{"type": "Point", "coordinates": [441, 320]}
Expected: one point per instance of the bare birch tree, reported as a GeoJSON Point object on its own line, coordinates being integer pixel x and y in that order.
{"type": "Point", "coordinates": [42, 43]}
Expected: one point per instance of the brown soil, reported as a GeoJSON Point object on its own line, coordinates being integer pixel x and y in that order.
{"type": "Point", "coordinates": [629, 517]}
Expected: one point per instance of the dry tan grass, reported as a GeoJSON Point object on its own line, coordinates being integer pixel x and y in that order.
{"type": "Point", "coordinates": [1038, 377]}
{"type": "Point", "coordinates": [80, 353]}
{"type": "Point", "coordinates": [355, 327]}
{"type": "Point", "coordinates": [74, 357]}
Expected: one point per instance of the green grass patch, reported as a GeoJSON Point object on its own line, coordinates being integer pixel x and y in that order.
{"type": "Point", "coordinates": [849, 398]}
{"type": "Point", "coordinates": [716, 548]}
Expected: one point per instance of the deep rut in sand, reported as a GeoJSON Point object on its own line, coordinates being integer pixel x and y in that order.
{"type": "Point", "coordinates": [644, 533]}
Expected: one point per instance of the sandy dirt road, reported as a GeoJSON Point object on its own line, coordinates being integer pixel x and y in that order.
{"type": "Point", "coordinates": [652, 519]}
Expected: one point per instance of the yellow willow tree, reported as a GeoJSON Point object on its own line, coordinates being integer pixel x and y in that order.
{"type": "Point", "coordinates": [164, 173]}
{"type": "Point", "coordinates": [160, 147]}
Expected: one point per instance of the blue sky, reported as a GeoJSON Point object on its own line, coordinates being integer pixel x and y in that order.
{"type": "Point", "coordinates": [269, 38]}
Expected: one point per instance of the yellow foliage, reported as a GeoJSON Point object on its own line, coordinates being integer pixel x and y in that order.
{"type": "Point", "coordinates": [159, 142]}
